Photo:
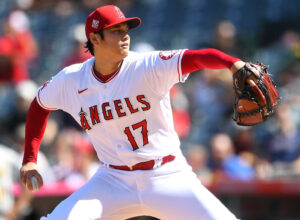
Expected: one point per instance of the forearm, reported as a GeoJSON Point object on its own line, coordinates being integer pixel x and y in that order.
{"type": "Point", "coordinates": [193, 60]}
{"type": "Point", "coordinates": [36, 122]}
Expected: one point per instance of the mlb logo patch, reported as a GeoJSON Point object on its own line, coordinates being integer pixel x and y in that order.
{"type": "Point", "coordinates": [95, 24]}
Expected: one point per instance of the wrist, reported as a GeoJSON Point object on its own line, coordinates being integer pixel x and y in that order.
{"type": "Point", "coordinates": [29, 166]}
{"type": "Point", "coordinates": [236, 66]}
{"type": "Point", "coordinates": [28, 161]}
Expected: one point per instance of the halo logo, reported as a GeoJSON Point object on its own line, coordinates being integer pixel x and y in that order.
{"type": "Point", "coordinates": [121, 15]}
{"type": "Point", "coordinates": [165, 55]}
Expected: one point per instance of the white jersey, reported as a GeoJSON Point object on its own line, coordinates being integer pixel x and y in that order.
{"type": "Point", "coordinates": [128, 118]}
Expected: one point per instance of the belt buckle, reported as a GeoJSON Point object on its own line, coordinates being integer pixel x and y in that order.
{"type": "Point", "coordinates": [130, 168]}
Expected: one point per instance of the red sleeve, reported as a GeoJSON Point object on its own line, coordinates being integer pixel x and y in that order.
{"type": "Point", "coordinates": [36, 122]}
{"type": "Point", "coordinates": [193, 60]}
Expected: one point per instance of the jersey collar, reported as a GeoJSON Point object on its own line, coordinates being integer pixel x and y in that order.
{"type": "Point", "coordinates": [105, 78]}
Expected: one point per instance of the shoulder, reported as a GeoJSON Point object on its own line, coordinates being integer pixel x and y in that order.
{"type": "Point", "coordinates": [74, 72]}
{"type": "Point", "coordinates": [144, 59]}
{"type": "Point", "coordinates": [78, 68]}
{"type": "Point", "coordinates": [161, 55]}
{"type": "Point", "coordinates": [135, 56]}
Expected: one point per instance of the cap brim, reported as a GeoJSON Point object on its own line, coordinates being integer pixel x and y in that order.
{"type": "Point", "coordinates": [132, 22]}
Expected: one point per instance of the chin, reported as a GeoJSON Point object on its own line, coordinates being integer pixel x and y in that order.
{"type": "Point", "coordinates": [125, 53]}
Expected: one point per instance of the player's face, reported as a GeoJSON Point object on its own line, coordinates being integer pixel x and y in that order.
{"type": "Point", "coordinates": [116, 40]}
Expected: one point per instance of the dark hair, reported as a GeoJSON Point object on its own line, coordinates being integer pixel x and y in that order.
{"type": "Point", "coordinates": [89, 46]}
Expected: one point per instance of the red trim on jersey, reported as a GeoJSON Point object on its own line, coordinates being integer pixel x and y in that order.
{"type": "Point", "coordinates": [178, 70]}
{"type": "Point", "coordinates": [36, 122]}
{"type": "Point", "coordinates": [41, 104]}
{"type": "Point", "coordinates": [178, 67]}
{"type": "Point", "coordinates": [105, 78]}
{"type": "Point", "coordinates": [193, 60]}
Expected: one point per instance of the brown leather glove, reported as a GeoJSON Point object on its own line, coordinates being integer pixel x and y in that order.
{"type": "Point", "coordinates": [255, 94]}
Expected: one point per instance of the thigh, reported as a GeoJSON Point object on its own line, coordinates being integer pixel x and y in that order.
{"type": "Point", "coordinates": [182, 196]}
{"type": "Point", "coordinates": [103, 197]}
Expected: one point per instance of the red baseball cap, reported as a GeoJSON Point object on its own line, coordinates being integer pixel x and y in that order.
{"type": "Point", "coordinates": [107, 16]}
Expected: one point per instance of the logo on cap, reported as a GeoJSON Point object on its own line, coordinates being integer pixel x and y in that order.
{"type": "Point", "coordinates": [95, 24]}
{"type": "Point", "coordinates": [121, 15]}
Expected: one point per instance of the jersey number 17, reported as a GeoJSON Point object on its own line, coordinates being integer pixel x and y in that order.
{"type": "Point", "coordinates": [140, 125]}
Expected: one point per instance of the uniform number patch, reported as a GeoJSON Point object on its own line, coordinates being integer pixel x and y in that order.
{"type": "Point", "coordinates": [143, 126]}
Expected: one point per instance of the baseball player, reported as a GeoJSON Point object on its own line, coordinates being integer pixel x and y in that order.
{"type": "Point", "coordinates": [121, 100]}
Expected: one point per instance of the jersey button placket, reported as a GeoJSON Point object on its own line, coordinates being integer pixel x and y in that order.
{"type": "Point", "coordinates": [104, 96]}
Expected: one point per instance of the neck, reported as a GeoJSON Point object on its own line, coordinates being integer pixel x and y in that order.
{"type": "Point", "coordinates": [106, 66]}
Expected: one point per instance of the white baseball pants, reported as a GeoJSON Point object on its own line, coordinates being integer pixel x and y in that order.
{"type": "Point", "coordinates": [169, 192]}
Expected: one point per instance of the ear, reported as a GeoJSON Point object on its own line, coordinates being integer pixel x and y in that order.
{"type": "Point", "coordinates": [94, 38]}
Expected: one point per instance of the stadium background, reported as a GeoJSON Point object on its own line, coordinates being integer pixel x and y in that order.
{"type": "Point", "coordinates": [255, 170]}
